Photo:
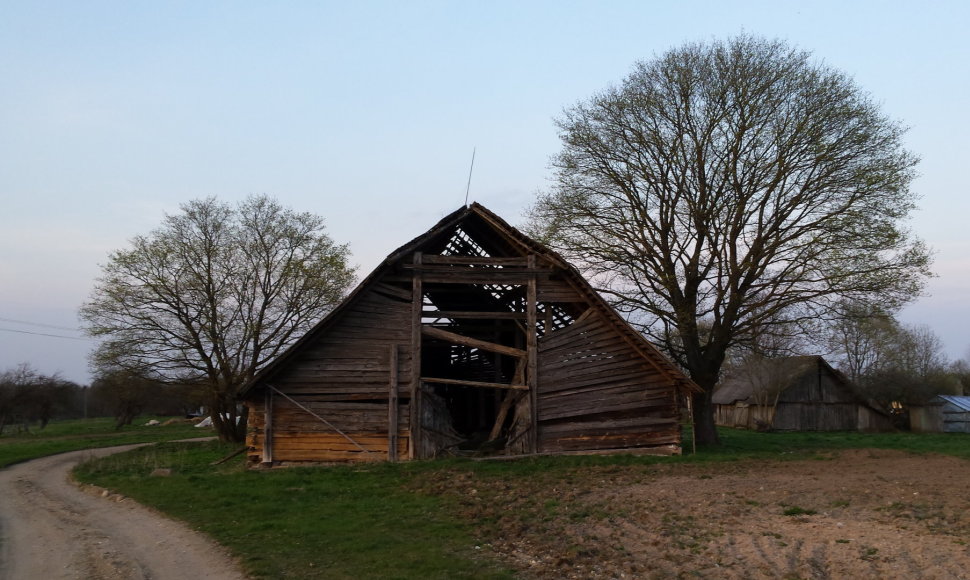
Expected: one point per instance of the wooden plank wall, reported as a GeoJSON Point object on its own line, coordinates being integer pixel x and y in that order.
{"type": "Point", "coordinates": [344, 378]}
{"type": "Point", "coordinates": [816, 416]}
{"type": "Point", "coordinates": [299, 436]}
{"type": "Point", "coordinates": [596, 392]}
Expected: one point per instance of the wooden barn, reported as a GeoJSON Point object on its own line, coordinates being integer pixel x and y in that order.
{"type": "Point", "coordinates": [942, 414]}
{"type": "Point", "coordinates": [471, 338]}
{"type": "Point", "coordinates": [802, 393]}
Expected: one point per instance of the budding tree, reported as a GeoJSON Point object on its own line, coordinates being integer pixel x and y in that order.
{"type": "Point", "coordinates": [729, 188]}
{"type": "Point", "coordinates": [214, 294]}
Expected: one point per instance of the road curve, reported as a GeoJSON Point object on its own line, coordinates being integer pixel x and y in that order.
{"type": "Point", "coordinates": [50, 529]}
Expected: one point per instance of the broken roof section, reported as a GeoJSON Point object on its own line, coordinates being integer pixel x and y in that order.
{"type": "Point", "coordinates": [474, 231]}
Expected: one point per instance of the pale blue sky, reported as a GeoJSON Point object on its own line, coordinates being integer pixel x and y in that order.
{"type": "Point", "coordinates": [113, 113]}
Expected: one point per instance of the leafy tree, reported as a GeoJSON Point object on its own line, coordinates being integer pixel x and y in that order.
{"type": "Point", "coordinates": [15, 386]}
{"type": "Point", "coordinates": [124, 395]}
{"type": "Point", "coordinates": [890, 362]}
{"type": "Point", "coordinates": [862, 339]}
{"type": "Point", "coordinates": [26, 396]}
{"type": "Point", "coordinates": [214, 294]}
{"type": "Point", "coordinates": [960, 369]}
{"type": "Point", "coordinates": [727, 189]}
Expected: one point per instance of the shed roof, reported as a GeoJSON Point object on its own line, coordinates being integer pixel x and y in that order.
{"type": "Point", "coordinates": [962, 403]}
{"type": "Point", "coordinates": [501, 239]}
{"type": "Point", "coordinates": [743, 384]}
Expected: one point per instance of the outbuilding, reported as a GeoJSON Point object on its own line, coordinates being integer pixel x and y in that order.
{"type": "Point", "coordinates": [942, 414]}
{"type": "Point", "coordinates": [471, 338]}
{"type": "Point", "coordinates": [800, 393]}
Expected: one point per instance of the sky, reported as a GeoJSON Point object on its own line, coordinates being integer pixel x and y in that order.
{"type": "Point", "coordinates": [112, 114]}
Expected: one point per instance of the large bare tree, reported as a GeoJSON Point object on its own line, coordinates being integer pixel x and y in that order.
{"type": "Point", "coordinates": [214, 294]}
{"type": "Point", "coordinates": [729, 188]}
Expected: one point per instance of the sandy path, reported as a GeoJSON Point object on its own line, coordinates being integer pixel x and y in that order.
{"type": "Point", "coordinates": [51, 530]}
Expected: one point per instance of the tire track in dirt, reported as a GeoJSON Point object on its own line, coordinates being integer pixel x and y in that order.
{"type": "Point", "coordinates": [51, 529]}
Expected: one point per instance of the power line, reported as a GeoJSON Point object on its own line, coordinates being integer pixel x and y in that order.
{"type": "Point", "coordinates": [43, 333]}
{"type": "Point", "coordinates": [36, 324]}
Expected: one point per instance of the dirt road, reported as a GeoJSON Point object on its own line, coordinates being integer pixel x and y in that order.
{"type": "Point", "coordinates": [52, 530]}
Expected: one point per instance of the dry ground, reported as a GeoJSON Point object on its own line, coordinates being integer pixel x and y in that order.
{"type": "Point", "coordinates": [850, 514]}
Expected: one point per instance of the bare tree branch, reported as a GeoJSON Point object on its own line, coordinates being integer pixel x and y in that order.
{"type": "Point", "coordinates": [724, 189]}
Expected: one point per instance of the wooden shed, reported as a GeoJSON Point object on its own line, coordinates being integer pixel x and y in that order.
{"type": "Point", "coordinates": [802, 393]}
{"type": "Point", "coordinates": [942, 414]}
{"type": "Point", "coordinates": [470, 338]}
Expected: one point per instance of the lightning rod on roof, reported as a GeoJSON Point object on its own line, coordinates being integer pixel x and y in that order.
{"type": "Point", "coordinates": [469, 186]}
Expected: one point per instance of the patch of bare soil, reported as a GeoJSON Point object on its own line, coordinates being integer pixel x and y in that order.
{"type": "Point", "coordinates": [51, 529]}
{"type": "Point", "coordinates": [851, 514]}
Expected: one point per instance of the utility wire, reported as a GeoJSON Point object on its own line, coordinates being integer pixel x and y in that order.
{"type": "Point", "coordinates": [36, 324]}
{"type": "Point", "coordinates": [43, 334]}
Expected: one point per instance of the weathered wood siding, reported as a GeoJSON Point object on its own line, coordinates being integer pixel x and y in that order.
{"type": "Point", "coordinates": [871, 420]}
{"type": "Point", "coordinates": [299, 436]}
{"type": "Point", "coordinates": [817, 386]}
{"type": "Point", "coordinates": [344, 377]}
{"type": "Point", "coordinates": [816, 402]}
{"type": "Point", "coordinates": [816, 416]}
{"type": "Point", "coordinates": [596, 392]}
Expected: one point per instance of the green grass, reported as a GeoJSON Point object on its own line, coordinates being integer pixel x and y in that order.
{"type": "Point", "coordinates": [426, 519]}
{"type": "Point", "coordinates": [798, 511]}
{"type": "Point", "coordinates": [342, 522]}
{"type": "Point", "coordinates": [741, 444]}
{"type": "Point", "coordinates": [61, 436]}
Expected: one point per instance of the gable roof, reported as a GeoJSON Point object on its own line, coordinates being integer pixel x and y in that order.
{"type": "Point", "coordinates": [501, 239]}
{"type": "Point", "coordinates": [744, 383]}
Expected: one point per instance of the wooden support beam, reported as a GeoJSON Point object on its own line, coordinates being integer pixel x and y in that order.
{"type": "Point", "coordinates": [510, 399]}
{"type": "Point", "coordinates": [392, 407]}
{"type": "Point", "coordinates": [417, 306]}
{"type": "Point", "coordinates": [532, 349]}
{"type": "Point", "coordinates": [477, 260]}
{"type": "Point", "coordinates": [478, 276]}
{"type": "Point", "coordinates": [505, 315]}
{"type": "Point", "coordinates": [481, 384]}
{"type": "Point", "coordinates": [268, 427]}
{"type": "Point", "coordinates": [471, 342]}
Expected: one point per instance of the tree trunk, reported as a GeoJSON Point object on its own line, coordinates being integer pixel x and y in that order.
{"type": "Point", "coordinates": [224, 418]}
{"type": "Point", "coordinates": [705, 431]}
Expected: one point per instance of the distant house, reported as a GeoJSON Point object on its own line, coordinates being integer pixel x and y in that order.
{"type": "Point", "coordinates": [802, 393]}
{"type": "Point", "coordinates": [942, 414]}
{"type": "Point", "coordinates": [472, 336]}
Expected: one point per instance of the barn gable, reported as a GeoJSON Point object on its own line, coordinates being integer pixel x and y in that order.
{"type": "Point", "coordinates": [470, 336]}
{"type": "Point", "coordinates": [802, 393]}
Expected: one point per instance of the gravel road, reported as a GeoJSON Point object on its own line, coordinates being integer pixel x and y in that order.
{"type": "Point", "coordinates": [50, 529]}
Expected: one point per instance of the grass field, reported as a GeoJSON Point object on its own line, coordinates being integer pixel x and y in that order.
{"type": "Point", "coordinates": [61, 436]}
{"type": "Point", "coordinates": [404, 520]}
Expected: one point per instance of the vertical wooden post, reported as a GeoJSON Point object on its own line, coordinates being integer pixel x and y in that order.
{"type": "Point", "coordinates": [392, 407]}
{"type": "Point", "coordinates": [268, 427]}
{"type": "Point", "coordinates": [531, 348]}
{"type": "Point", "coordinates": [417, 305]}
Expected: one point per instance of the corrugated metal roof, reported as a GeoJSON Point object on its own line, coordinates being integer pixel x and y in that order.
{"type": "Point", "coordinates": [960, 402]}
